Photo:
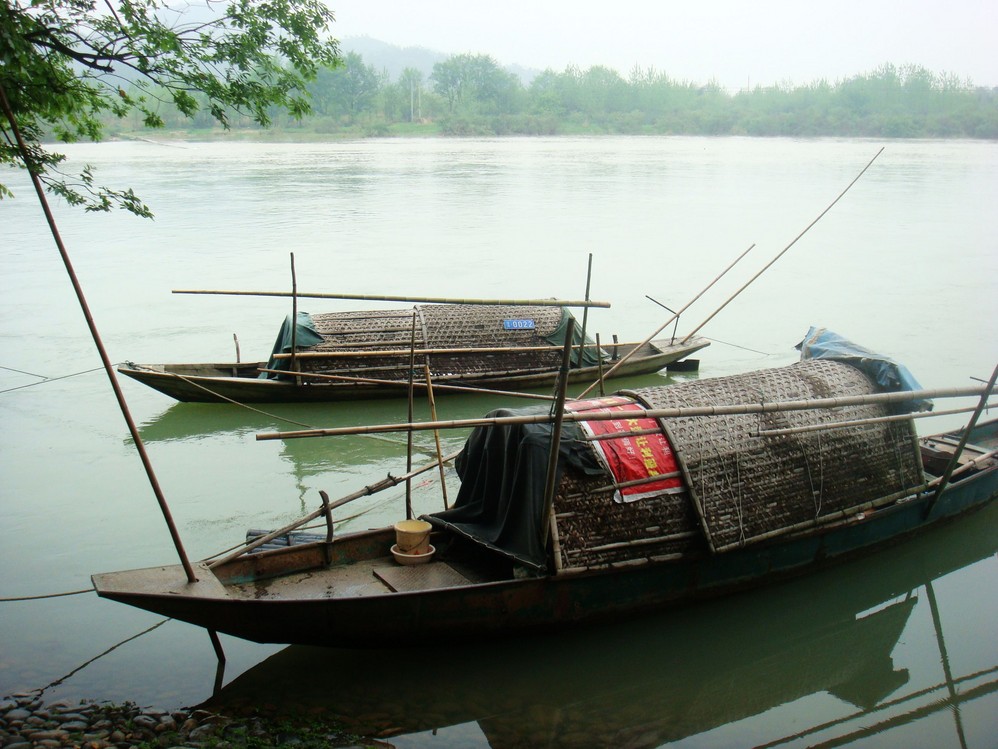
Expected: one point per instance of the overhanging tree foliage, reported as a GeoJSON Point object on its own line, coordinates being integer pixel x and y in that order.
{"type": "Point", "coordinates": [65, 65]}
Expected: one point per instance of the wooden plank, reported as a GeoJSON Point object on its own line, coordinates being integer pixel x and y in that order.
{"type": "Point", "coordinates": [416, 577]}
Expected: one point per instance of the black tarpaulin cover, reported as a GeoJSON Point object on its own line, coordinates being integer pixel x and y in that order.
{"type": "Point", "coordinates": [503, 472]}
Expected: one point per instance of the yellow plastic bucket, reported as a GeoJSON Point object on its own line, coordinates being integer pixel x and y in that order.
{"type": "Point", "coordinates": [412, 536]}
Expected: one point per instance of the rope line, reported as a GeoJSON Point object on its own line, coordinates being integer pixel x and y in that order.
{"type": "Point", "coordinates": [21, 371]}
{"type": "Point", "coordinates": [48, 595]}
{"type": "Point", "coordinates": [248, 407]}
{"type": "Point", "coordinates": [46, 380]}
{"type": "Point", "coordinates": [735, 345]}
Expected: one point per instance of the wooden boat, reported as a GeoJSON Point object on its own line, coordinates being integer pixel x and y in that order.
{"type": "Point", "coordinates": [726, 493]}
{"type": "Point", "coordinates": [369, 354]}
{"type": "Point", "coordinates": [665, 677]}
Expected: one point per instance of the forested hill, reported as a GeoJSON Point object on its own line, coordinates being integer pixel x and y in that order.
{"type": "Point", "coordinates": [383, 90]}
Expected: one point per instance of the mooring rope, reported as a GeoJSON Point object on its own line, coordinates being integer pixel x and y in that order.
{"type": "Point", "coordinates": [248, 407]}
{"type": "Point", "coordinates": [44, 380]}
{"type": "Point", "coordinates": [47, 595]}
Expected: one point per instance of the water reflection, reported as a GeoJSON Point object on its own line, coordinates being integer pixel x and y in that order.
{"type": "Point", "coordinates": [659, 679]}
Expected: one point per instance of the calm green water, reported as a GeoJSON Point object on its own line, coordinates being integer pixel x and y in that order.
{"type": "Point", "coordinates": [905, 263]}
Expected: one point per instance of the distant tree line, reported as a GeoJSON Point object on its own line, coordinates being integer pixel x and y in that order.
{"type": "Point", "coordinates": [473, 95]}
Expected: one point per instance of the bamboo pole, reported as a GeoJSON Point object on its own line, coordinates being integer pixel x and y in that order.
{"type": "Point", "coordinates": [436, 432]}
{"type": "Point", "coordinates": [558, 414]}
{"type": "Point", "coordinates": [33, 172]}
{"type": "Point", "coordinates": [388, 298]}
{"type": "Point", "coordinates": [618, 435]}
{"type": "Point", "coordinates": [858, 422]}
{"type": "Point", "coordinates": [683, 536]}
{"type": "Point", "coordinates": [369, 353]}
{"type": "Point", "coordinates": [963, 441]}
{"type": "Point", "coordinates": [784, 250]}
{"type": "Point", "coordinates": [585, 312]}
{"type": "Point", "coordinates": [609, 488]}
{"type": "Point", "coordinates": [600, 379]}
{"type": "Point", "coordinates": [649, 413]}
{"type": "Point", "coordinates": [294, 313]}
{"type": "Point", "coordinates": [385, 483]}
{"type": "Point", "coordinates": [408, 451]}
{"type": "Point", "coordinates": [397, 383]}
{"type": "Point", "coordinates": [668, 322]}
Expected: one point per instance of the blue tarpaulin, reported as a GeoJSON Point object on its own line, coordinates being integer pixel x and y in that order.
{"type": "Point", "coordinates": [821, 343]}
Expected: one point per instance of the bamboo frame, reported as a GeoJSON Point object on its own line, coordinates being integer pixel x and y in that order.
{"type": "Point", "coordinates": [390, 298]}
{"type": "Point", "coordinates": [649, 413]}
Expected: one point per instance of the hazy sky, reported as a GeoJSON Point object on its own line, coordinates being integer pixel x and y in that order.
{"type": "Point", "coordinates": [757, 42]}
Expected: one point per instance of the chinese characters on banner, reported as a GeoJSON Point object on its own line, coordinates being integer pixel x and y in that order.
{"type": "Point", "coordinates": [631, 457]}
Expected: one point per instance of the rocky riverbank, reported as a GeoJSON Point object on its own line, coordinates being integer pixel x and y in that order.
{"type": "Point", "coordinates": [26, 722]}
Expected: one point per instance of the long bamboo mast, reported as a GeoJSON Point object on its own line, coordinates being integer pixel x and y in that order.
{"type": "Point", "coordinates": [390, 298]}
{"type": "Point", "coordinates": [650, 413]}
{"type": "Point", "coordinates": [784, 250]}
{"type": "Point", "coordinates": [95, 334]}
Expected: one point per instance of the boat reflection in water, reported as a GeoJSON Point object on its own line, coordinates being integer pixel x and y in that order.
{"type": "Point", "coordinates": [662, 678]}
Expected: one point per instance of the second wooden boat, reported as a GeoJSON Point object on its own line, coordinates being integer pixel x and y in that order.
{"type": "Point", "coordinates": [369, 354]}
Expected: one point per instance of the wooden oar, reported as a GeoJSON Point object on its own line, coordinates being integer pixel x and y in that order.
{"type": "Point", "coordinates": [649, 413]}
{"type": "Point", "coordinates": [426, 300]}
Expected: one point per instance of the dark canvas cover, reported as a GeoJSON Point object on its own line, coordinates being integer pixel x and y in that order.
{"type": "Point", "coordinates": [503, 470]}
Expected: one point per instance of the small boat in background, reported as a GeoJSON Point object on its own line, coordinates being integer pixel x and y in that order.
{"type": "Point", "coordinates": [370, 354]}
{"type": "Point", "coordinates": [639, 501]}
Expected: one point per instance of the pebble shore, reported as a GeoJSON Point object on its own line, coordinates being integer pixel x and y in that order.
{"type": "Point", "coordinates": [26, 722]}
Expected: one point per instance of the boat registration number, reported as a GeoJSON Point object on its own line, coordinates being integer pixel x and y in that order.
{"type": "Point", "coordinates": [525, 324]}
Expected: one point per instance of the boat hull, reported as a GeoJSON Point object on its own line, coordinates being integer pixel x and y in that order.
{"type": "Point", "coordinates": [226, 382]}
{"type": "Point", "coordinates": [523, 605]}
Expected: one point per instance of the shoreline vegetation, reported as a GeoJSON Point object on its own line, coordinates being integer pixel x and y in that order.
{"type": "Point", "coordinates": [472, 96]}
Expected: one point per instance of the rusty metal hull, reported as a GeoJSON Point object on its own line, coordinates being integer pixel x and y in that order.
{"type": "Point", "coordinates": [223, 382]}
{"type": "Point", "coordinates": [295, 596]}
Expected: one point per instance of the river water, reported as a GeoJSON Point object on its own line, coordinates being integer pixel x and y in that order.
{"type": "Point", "coordinates": [897, 650]}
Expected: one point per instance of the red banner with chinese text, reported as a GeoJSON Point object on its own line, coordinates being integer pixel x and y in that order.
{"type": "Point", "coordinates": [631, 457]}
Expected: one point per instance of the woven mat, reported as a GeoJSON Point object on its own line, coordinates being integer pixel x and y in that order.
{"type": "Point", "coordinates": [745, 486]}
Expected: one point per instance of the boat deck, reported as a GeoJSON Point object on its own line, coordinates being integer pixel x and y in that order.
{"type": "Point", "coordinates": [374, 577]}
